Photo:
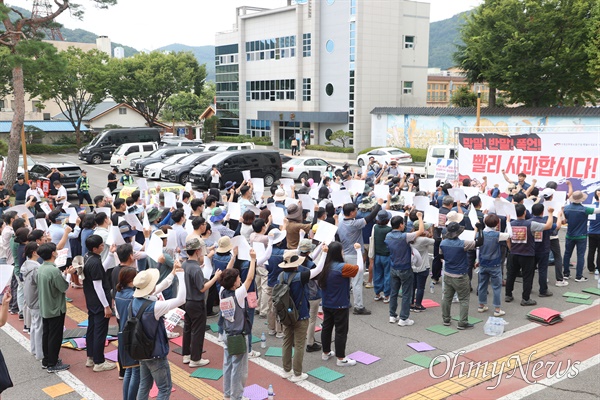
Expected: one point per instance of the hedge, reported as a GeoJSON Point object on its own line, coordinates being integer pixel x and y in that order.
{"type": "Point", "coordinates": [418, 155]}
{"type": "Point", "coordinates": [263, 141]}
{"type": "Point", "coordinates": [51, 149]}
{"type": "Point", "coordinates": [333, 149]}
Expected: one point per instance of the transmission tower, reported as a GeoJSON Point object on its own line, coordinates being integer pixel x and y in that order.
{"type": "Point", "coordinates": [41, 9]}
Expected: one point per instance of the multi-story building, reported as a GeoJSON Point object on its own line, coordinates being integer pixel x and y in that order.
{"type": "Point", "coordinates": [441, 85]}
{"type": "Point", "coordinates": [314, 67]}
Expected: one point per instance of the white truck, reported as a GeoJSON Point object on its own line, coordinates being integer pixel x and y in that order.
{"type": "Point", "coordinates": [439, 158]}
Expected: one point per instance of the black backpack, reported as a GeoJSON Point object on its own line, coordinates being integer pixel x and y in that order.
{"type": "Point", "coordinates": [135, 341]}
{"type": "Point", "coordinates": [285, 308]}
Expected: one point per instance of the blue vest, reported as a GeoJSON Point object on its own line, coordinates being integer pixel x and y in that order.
{"type": "Point", "coordinates": [522, 241]}
{"type": "Point", "coordinates": [542, 239]}
{"type": "Point", "coordinates": [489, 252]}
{"type": "Point", "coordinates": [239, 323]}
{"type": "Point", "coordinates": [122, 301]}
{"type": "Point", "coordinates": [400, 251]}
{"type": "Point", "coordinates": [298, 293]}
{"type": "Point", "coordinates": [455, 256]}
{"type": "Point", "coordinates": [337, 292]}
{"type": "Point", "coordinates": [220, 261]}
{"type": "Point", "coordinates": [577, 219]}
{"type": "Point", "coordinates": [273, 266]}
{"type": "Point", "coordinates": [594, 228]}
{"type": "Point", "coordinates": [153, 329]}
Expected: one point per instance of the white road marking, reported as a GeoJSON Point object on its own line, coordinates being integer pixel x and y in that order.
{"type": "Point", "coordinates": [545, 383]}
{"type": "Point", "coordinates": [66, 376]}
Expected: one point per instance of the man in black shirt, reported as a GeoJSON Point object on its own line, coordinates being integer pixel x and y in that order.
{"type": "Point", "coordinates": [20, 190]}
{"type": "Point", "coordinates": [120, 208]}
{"type": "Point", "coordinates": [54, 175]}
{"type": "Point", "coordinates": [4, 198]}
{"type": "Point", "coordinates": [112, 180]}
{"type": "Point", "coordinates": [96, 289]}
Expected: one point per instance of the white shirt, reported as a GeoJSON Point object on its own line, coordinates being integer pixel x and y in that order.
{"type": "Point", "coordinates": [62, 192]}
{"type": "Point", "coordinates": [37, 193]}
{"type": "Point", "coordinates": [215, 176]}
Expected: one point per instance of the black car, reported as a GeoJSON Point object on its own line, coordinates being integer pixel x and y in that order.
{"type": "Point", "coordinates": [137, 166]}
{"type": "Point", "coordinates": [71, 172]}
{"type": "Point", "coordinates": [264, 164]}
{"type": "Point", "coordinates": [180, 171]}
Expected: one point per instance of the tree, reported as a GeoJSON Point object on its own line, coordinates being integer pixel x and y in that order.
{"type": "Point", "coordinates": [211, 127]}
{"type": "Point", "coordinates": [15, 35]}
{"type": "Point", "coordinates": [78, 87]}
{"type": "Point", "coordinates": [184, 106]}
{"type": "Point", "coordinates": [341, 136]}
{"type": "Point", "coordinates": [537, 51]}
{"type": "Point", "coordinates": [147, 80]}
{"type": "Point", "coordinates": [463, 97]}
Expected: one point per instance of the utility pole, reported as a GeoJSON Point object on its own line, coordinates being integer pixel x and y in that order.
{"type": "Point", "coordinates": [24, 152]}
{"type": "Point", "coordinates": [478, 106]}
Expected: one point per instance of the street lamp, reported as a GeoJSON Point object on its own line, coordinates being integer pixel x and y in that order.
{"type": "Point", "coordinates": [478, 106]}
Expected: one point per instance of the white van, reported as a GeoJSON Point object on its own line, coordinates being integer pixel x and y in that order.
{"type": "Point", "coordinates": [435, 154]}
{"type": "Point", "coordinates": [121, 158]}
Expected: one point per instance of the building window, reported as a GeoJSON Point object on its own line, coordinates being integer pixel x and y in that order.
{"type": "Point", "coordinates": [2, 106]}
{"type": "Point", "coordinates": [328, 134]}
{"type": "Point", "coordinates": [329, 89]}
{"type": "Point", "coordinates": [306, 44]}
{"type": "Point", "coordinates": [407, 88]}
{"type": "Point", "coordinates": [122, 110]}
{"type": "Point", "coordinates": [409, 42]}
{"type": "Point", "coordinates": [306, 89]}
{"type": "Point", "coordinates": [258, 128]}
{"type": "Point", "coordinates": [36, 106]}
{"type": "Point", "coordinates": [272, 49]}
{"type": "Point", "coordinates": [352, 7]}
{"type": "Point", "coordinates": [273, 90]}
{"type": "Point", "coordinates": [330, 46]}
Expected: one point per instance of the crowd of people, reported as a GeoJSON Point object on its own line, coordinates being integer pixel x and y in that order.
{"type": "Point", "coordinates": [229, 254]}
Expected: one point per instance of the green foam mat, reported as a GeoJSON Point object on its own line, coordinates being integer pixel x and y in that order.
{"type": "Point", "coordinates": [472, 320]}
{"type": "Point", "coordinates": [576, 295]}
{"type": "Point", "coordinates": [208, 373]}
{"type": "Point", "coordinates": [421, 360]}
{"type": "Point", "coordinates": [592, 290]}
{"type": "Point", "coordinates": [255, 339]}
{"type": "Point", "coordinates": [577, 300]}
{"type": "Point", "coordinates": [442, 330]}
{"type": "Point", "coordinates": [214, 327]}
{"type": "Point", "coordinates": [325, 374]}
{"type": "Point", "coordinates": [276, 352]}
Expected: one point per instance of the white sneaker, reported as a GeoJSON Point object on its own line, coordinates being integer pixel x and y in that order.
{"type": "Point", "coordinates": [220, 338]}
{"type": "Point", "coordinates": [105, 366]}
{"type": "Point", "coordinates": [393, 320]}
{"type": "Point", "coordinates": [346, 362]}
{"type": "Point", "coordinates": [287, 375]}
{"type": "Point", "coordinates": [186, 359]}
{"type": "Point", "coordinates": [582, 279]}
{"type": "Point", "coordinates": [327, 356]}
{"type": "Point", "coordinates": [561, 283]}
{"type": "Point", "coordinates": [279, 335]}
{"type": "Point", "coordinates": [254, 354]}
{"type": "Point", "coordinates": [89, 362]}
{"type": "Point", "coordinates": [201, 363]}
{"type": "Point", "coordinates": [172, 335]}
{"type": "Point", "coordinates": [406, 322]}
{"type": "Point", "coordinates": [299, 378]}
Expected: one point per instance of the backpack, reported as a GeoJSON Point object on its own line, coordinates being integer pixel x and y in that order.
{"type": "Point", "coordinates": [135, 341]}
{"type": "Point", "coordinates": [285, 308]}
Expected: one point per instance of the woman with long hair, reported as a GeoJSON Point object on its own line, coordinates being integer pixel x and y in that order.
{"type": "Point", "coordinates": [334, 281]}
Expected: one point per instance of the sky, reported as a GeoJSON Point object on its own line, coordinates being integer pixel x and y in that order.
{"type": "Point", "coordinates": [150, 24]}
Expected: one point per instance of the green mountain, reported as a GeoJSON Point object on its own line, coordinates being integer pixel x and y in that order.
{"type": "Point", "coordinates": [443, 37]}
{"type": "Point", "coordinates": [204, 55]}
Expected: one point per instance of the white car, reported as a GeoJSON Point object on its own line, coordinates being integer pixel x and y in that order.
{"type": "Point", "coordinates": [20, 170]}
{"type": "Point", "coordinates": [152, 171]}
{"type": "Point", "coordinates": [298, 168]}
{"type": "Point", "coordinates": [125, 153]}
{"type": "Point", "coordinates": [385, 154]}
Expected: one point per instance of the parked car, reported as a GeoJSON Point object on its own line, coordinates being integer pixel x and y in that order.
{"type": "Point", "coordinates": [137, 166]}
{"type": "Point", "coordinates": [385, 154]}
{"type": "Point", "coordinates": [181, 143]}
{"type": "Point", "coordinates": [20, 170]}
{"type": "Point", "coordinates": [284, 158]}
{"type": "Point", "coordinates": [70, 170]}
{"type": "Point", "coordinates": [152, 171]}
{"type": "Point", "coordinates": [264, 164]}
{"type": "Point", "coordinates": [103, 146]}
{"type": "Point", "coordinates": [122, 157]}
{"type": "Point", "coordinates": [230, 147]}
{"type": "Point", "coordinates": [298, 168]}
{"type": "Point", "coordinates": [179, 172]}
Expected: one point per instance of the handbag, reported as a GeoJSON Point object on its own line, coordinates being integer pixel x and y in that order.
{"type": "Point", "coordinates": [5, 381]}
{"type": "Point", "coordinates": [236, 344]}
{"type": "Point", "coordinates": [252, 300]}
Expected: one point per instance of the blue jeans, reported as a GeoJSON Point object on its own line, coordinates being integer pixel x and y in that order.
{"type": "Point", "coordinates": [250, 312]}
{"type": "Point", "coordinates": [235, 374]}
{"type": "Point", "coordinates": [405, 279]}
{"type": "Point", "coordinates": [131, 383]}
{"type": "Point", "coordinates": [419, 291]}
{"type": "Point", "coordinates": [541, 261]}
{"type": "Point", "coordinates": [487, 274]}
{"type": "Point", "coordinates": [155, 370]}
{"type": "Point", "coordinates": [569, 246]}
{"type": "Point", "coordinates": [381, 275]}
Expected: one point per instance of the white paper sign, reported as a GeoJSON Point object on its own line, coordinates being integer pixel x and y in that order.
{"type": "Point", "coordinates": [467, 235]}
{"type": "Point", "coordinates": [22, 209]}
{"type": "Point", "coordinates": [142, 184]}
{"type": "Point", "coordinates": [45, 208]}
{"type": "Point", "coordinates": [340, 198]}
{"type": "Point", "coordinates": [41, 223]}
{"type": "Point", "coordinates": [277, 214]}
{"type": "Point", "coordinates": [259, 184]}
{"type": "Point", "coordinates": [171, 239]}
{"type": "Point", "coordinates": [289, 201]}
{"type": "Point", "coordinates": [552, 204]}
{"type": "Point", "coordinates": [314, 192]}
{"type": "Point", "coordinates": [246, 175]}
{"type": "Point", "coordinates": [307, 202]}
{"type": "Point", "coordinates": [432, 214]}
{"type": "Point", "coordinates": [106, 210]}
{"type": "Point", "coordinates": [114, 237]}
{"type": "Point", "coordinates": [260, 250]}
{"type": "Point", "coordinates": [355, 186]}
{"type": "Point", "coordinates": [458, 195]}
{"type": "Point", "coordinates": [427, 185]}
{"type": "Point", "coordinates": [188, 187]}
{"type": "Point", "coordinates": [207, 268]}
{"type": "Point", "coordinates": [560, 196]}
{"type": "Point", "coordinates": [170, 199]}
{"type": "Point", "coordinates": [381, 191]}
{"type": "Point", "coordinates": [505, 208]}
{"type": "Point", "coordinates": [286, 182]}
{"type": "Point", "coordinates": [421, 202]}
{"type": "Point", "coordinates": [325, 232]}
{"type": "Point", "coordinates": [234, 211]}
{"type": "Point", "coordinates": [6, 273]}
{"type": "Point", "coordinates": [408, 198]}
{"type": "Point", "coordinates": [61, 259]}
{"type": "Point", "coordinates": [106, 192]}
{"type": "Point", "coordinates": [473, 216]}
{"type": "Point", "coordinates": [528, 203]}
{"type": "Point", "coordinates": [155, 247]}
{"type": "Point", "coordinates": [72, 215]}
{"type": "Point", "coordinates": [470, 191]}
{"type": "Point", "coordinates": [243, 247]}
{"type": "Point", "coordinates": [134, 221]}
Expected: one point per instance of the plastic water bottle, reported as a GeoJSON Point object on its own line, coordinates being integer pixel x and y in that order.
{"type": "Point", "coordinates": [263, 341]}
{"type": "Point", "coordinates": [598, 283]}
{"type": "Point", "coordinates": [270, 393]}
{"type": "Point", "coordinates": [431, 287]}
{"type": "Point", "coordinates": [455, 298]}
{"type": "Point", "coordinates": [596, 274]}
